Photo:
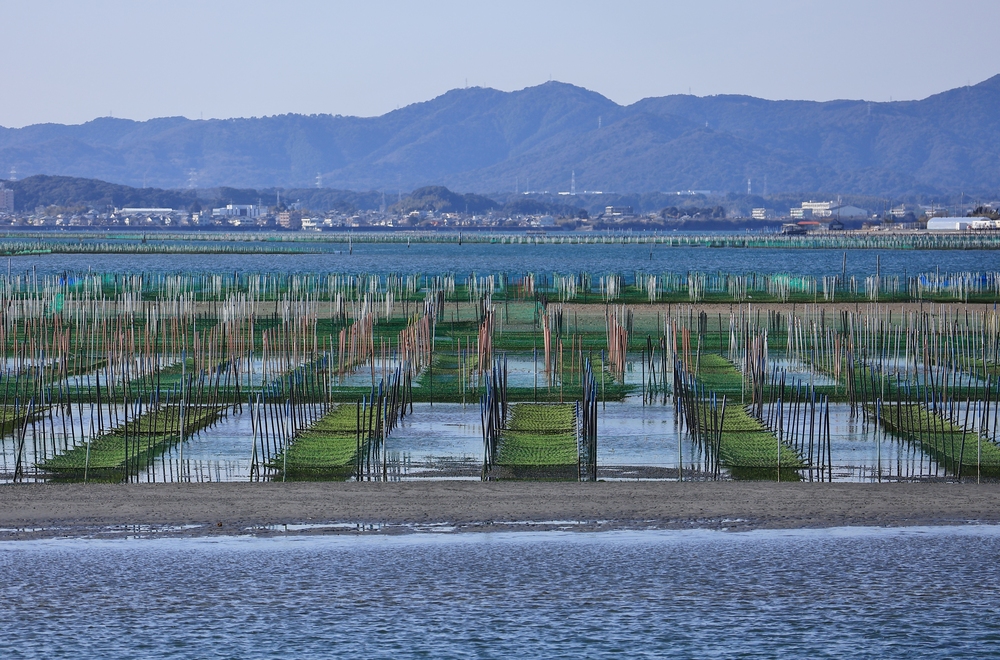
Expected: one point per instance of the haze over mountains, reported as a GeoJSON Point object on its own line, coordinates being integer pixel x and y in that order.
{"type": "Point", "coordinates": [486, 140]}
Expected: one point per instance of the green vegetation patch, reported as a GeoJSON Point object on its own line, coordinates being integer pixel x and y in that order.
{"type": "Point", "coordinates": [329, 447]}
{"type": "Point", "coordinates": [539, 435]}
{"type": "Point", "coordinates": [960, 452]}
{"type": "Point", "coordinates": [718, 374]}
{"type": "Point", "coordinates": [747, 447]}
{"type": "Point", "coordinates": [128, 448]}
{"type": "Point", "coordinates": [12, 418]}
{"type": "Point", "coordinates": [747, 443]}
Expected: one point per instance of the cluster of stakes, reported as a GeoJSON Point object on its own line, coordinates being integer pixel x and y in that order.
{"type": "Point", "coordinates": [109, 377]}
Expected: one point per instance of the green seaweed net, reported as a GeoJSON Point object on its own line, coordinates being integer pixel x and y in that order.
{"type": "Point", "coordinates": [131, 447]}
{"type": "Point", "coordinates": [540, 442]}
{"type": "Point", "coordinates": [963, 452]}
{"type": "Point", "coordinates": [326, 450]}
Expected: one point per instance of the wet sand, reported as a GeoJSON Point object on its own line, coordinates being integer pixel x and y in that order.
{"type": "Point", "coordinates": [33, 511]}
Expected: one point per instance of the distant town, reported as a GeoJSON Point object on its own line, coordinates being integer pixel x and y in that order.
{"type": "Point", "coordinates": [808, 216]}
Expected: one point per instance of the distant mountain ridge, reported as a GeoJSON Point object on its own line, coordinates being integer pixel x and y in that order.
{"type": "Point", "coordinates": [485, 140]}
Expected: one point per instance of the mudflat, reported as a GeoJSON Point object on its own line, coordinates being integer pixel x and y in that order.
{"type": "Point", "coordinates": [45, 510]}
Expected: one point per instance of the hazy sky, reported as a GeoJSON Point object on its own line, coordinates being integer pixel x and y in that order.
{"type": "Point", "coordinates": [71, 61]}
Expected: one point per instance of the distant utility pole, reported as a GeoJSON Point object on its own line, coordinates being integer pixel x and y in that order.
{"type": "Point", "coordinates": [748, 187]}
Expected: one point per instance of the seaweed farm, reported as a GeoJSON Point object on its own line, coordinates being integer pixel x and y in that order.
{"type": "Point", "coordinates": [264, 376]}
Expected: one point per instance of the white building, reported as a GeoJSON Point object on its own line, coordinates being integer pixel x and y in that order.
{"type": "Point", "coordinates": [759, 214]}
{"type": "Point", "coordinates": [847, 211]}
{"type": "Point", "coordinates": [818, 209]}
{"type": "Point", "coordinates": [828, 210]}
{"type": "Point", "coordinates": [143, 211]}
{"type": "Point", "coordinates": [239, 211]}
{"type": "Point", "coordinates": [952, 223]}
{"type": "Point", "coordinates": [618, 211]}
{"type": "Point", "coordinates": [6, 200]}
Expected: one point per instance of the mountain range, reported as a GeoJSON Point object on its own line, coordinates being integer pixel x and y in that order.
{"type": "Point", "coordinates": [540, 138]}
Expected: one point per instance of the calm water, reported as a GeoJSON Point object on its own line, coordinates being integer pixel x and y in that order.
{"type": "Point", "coordinates": [435, 258]}
{"type": "Point", "coordinates": [871, 593]}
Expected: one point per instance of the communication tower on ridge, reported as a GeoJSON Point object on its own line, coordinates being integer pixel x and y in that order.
{"type": "Point", "coordinates": [572, 183]}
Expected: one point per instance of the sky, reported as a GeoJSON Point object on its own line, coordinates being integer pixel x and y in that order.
{"type": "Point", "coordinates": [70, 61]}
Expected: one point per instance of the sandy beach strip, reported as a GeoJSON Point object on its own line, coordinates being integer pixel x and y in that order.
{"type": "Point", "coordinates": [34, 511]}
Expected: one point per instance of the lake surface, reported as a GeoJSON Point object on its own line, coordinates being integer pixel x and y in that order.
{"type": "Point", "coordinates": [486, 258]}
{"type": "Point", "coordinates": [864, 592]}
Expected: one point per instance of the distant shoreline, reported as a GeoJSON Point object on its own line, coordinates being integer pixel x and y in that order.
{"type": "Point", "coordinates": [264, 509]}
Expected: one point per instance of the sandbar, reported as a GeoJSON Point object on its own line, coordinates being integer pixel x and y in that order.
{"type": "Point", "coordinates": [199, 509]}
